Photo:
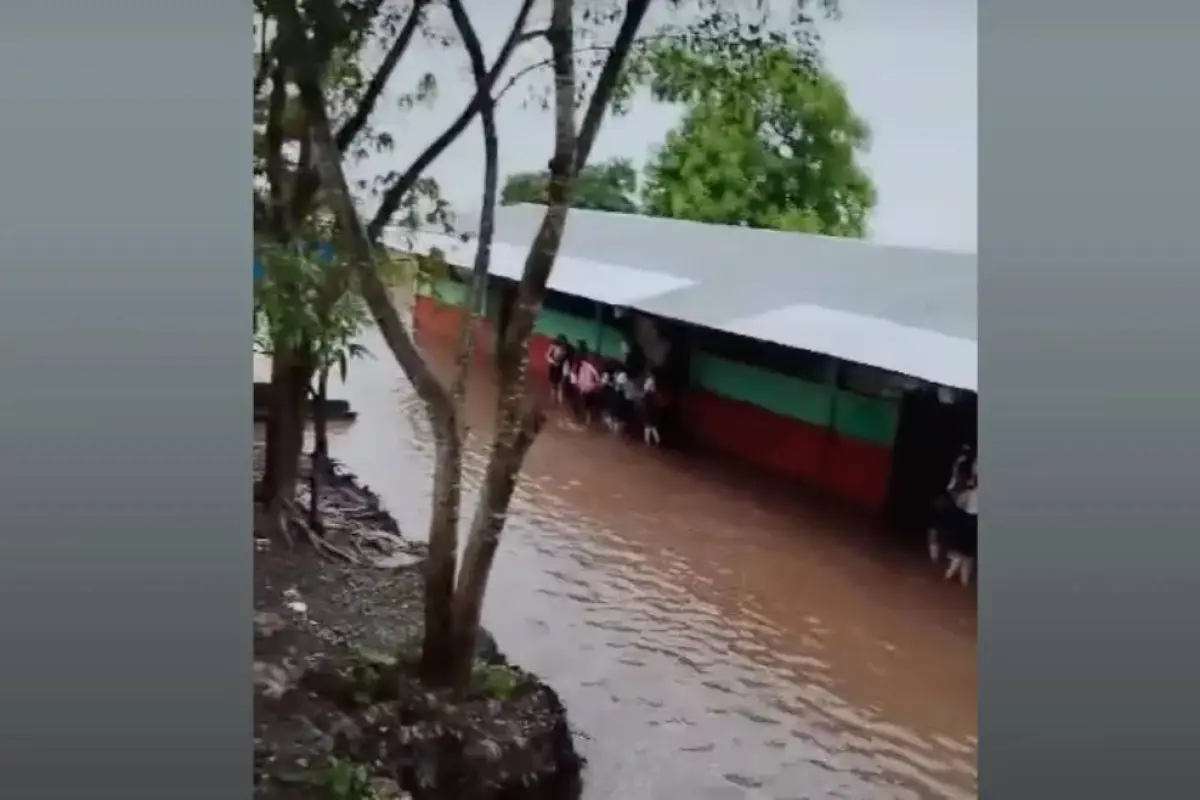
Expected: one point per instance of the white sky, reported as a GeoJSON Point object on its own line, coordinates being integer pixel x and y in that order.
{"type": "Point", "coordinates": [910, 68]}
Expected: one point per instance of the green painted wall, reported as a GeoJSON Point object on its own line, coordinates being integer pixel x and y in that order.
{"type": "Point", "coordinates": [553, 323]}
{"type": "Point", "coordinates": [451, 293]}
{"type": "Point", "coordinates": [870, 419]}
{"type": "Point", "coordinates": [781, 394]}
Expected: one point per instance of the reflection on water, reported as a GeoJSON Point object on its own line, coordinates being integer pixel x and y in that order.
{"type": "Point", "coordinates": [712, 638]}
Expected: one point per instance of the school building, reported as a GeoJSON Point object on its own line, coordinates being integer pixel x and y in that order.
{"type": "Point", "coordinates": [842, 365]}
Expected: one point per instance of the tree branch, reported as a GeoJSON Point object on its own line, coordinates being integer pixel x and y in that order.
{"type": "Point", "coordinates": [366, 106]}
{"type": "Point", "coordinates": [356, 20]}
{"type": "Point", "coordinates": [307, 181]}
{"type": "Point", "coordinates": [395, 194]}
{"type": "Point", "coordinates": [517, 426]}
{"type": "Point", "coordinates": [635, 13]}
{"type": "Point", "coordinates": [329, 166]}
{"type": "Point", "coordinates": [438, 649]}
{"type": "Point", "coordinates": [487, 223]}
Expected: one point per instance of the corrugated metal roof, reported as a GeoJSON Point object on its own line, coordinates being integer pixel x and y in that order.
{"type": "Point", "coordinates": [742, 271]}
{"type": "Point", "coordinates": [611, 284]}
{"type": "Point", "coordinates": [907, 310]}
{"type": "Point", "coordinates": [934, 357]}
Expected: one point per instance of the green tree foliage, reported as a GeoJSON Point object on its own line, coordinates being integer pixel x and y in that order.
{"type": "Point", "coordinates": [286, 312]}
{"type": "Point", "coordinates": [607, 186]}
{"type": "Point", "coordinates": [769, 140]}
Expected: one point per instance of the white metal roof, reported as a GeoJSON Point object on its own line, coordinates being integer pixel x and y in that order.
{"type": "Point", "coordinates": [610, 284]}
{"type": "Point", "coordinates": [906, 310]}
{"type": "Point", "coordinates": [931, 356]}
{"type": "Point", "coordinates": [742, 271]}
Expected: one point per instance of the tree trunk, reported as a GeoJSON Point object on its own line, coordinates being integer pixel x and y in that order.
{"type": "Point", "coordinates": [319, 460]}
{"type": "Point", "coordinates": [517, 427]}
{"type": "Point", "coordinates": [285, 438]}
{"type": "Point", "coordinates": [439, 652]}
{"type": "Point", "coordinates": [438, 644]}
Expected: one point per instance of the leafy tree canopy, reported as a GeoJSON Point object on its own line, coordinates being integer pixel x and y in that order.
{"type": "Point", "coordinates": [769, 140]}
{"type": "Point", "coordinates": [607, 186]}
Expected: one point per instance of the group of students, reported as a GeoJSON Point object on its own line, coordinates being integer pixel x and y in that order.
{"type": "Point", "coordinates": [955, 527]}
{"type": "Point", "coordinates": [624, 396]}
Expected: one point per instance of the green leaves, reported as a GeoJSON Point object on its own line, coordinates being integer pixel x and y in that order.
{"type": "Point", "coordinates": [608, 186]}
{"type": "Point", "coordinates": [769, 139]}
{"type": "Point", "coordinates": [292, 313]}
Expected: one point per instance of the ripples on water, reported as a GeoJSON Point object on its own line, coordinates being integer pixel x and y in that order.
{"type": "Point", "coordinates": [710, 641]}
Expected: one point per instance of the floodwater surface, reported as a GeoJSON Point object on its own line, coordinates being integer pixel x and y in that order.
{"type": "Point", "coordinates": [713, 635]}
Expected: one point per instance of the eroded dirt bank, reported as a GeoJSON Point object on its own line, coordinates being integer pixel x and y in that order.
{"type": "Point", "coordinates": [338, 713]}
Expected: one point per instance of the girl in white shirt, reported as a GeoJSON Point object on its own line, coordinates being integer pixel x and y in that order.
{"type": "Point", "coordinates": [650, 411]}
{"type": "Point", "coordinates": [955, 527]}
{"type": "Point", "coordinates": [963, 544]}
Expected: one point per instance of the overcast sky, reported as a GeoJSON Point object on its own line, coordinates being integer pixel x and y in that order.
{"type": "Point", "coordinates": [910, 68]}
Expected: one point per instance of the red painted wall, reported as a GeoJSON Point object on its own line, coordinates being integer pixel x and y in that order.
{"type": "Point", "coordinates": [858, 471]}
{"type": "Point", "coordinates": [433, 318]}
{"type": "Point", "coordinates": [538, 345]}
{"type": "Point", "coordinates": [852, 470]}
{"type": "Point", "coordinates": [784, 446]}
{"type": "Point", "coordinates": [439, 320]}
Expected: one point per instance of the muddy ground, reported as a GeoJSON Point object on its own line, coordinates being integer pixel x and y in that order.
{"type": "Point", "coordinates": [338, 710]}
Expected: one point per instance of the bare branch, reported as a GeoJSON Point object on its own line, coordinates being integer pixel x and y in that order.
{"type": "Point", "coordinates": [307, 181]}
{"type": "Point", "coordinates": [516, 425]}
{"type": "Point", "coordinates": [395, 194]}
{"type": "Point", "coordinates": [635, 12]}
{"type": "Point", "coordinates": [442, 562]}
{"type": "Point", "coordinates": [329, 165]}
{"type": "Point", "coordinates": [529, 69]}
{"type": "Point", "coordinates": [487, 222]}
{"type": "Point", "coordinates": [366, 106]}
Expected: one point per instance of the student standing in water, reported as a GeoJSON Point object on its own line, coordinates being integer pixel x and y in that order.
{"type": "Point", "coordinates": [963, 546]}
{"type": "Point", "coordinates": [630, 398]}
{"type": "Point", "coordinates": [608, 394]}
{"type": "Point", "coordinates": [651, 411]}
{"type": "Point", "coordinates": [558, 358]}
{"type": "Point", "coordinates": [954, 526]}
{"type": "Point", "coordinates": [587, 383]}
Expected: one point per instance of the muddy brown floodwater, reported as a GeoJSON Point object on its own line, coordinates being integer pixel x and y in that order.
{"type": "Point", "coordinates": [712, 635]}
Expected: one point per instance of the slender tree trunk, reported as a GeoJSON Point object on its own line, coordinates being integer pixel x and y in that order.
{"type": "Point", "coordinates": [285, 437]}
{"type": "Point", "coordinates": [265, 490]}
{"type": "Point", "coordinates": [437, 649]}
{"type": "Point", "coordinates": [438, 652]}
{"type": "Point", "coordinates": [516, 426]}
{"type": "Point", "coordinates": [319, 459]}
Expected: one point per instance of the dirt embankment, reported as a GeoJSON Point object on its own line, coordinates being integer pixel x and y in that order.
{"type": "Point", "coordinates": [338, 710]}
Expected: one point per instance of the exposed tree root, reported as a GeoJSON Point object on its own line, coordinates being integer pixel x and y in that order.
{"type": "Point", "coordinates": [352, 530]}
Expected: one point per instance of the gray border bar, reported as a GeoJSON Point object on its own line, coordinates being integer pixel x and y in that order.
{"type": "Point", "coordinates": [1090, 247]}
{"type": "Point", "coordinates": [125, 316]}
